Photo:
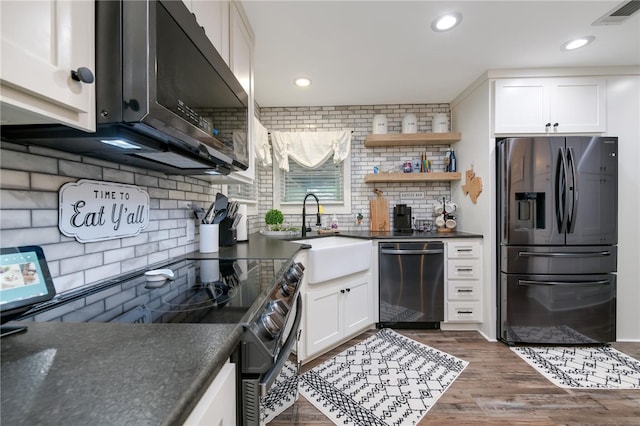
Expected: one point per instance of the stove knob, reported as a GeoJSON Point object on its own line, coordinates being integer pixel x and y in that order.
{"type": "Point", "coordinates": [294, 273]}
{"type": "Point", "coordinates": [271, 323]}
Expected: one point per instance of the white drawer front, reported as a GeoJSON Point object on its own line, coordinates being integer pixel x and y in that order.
{"type": "Point", "coordinates": [464, 312]}
{"type": "Point", "coordinates": [463, 269]}
{"type": "Point", "coordinates": [463, 290]}
{"type": "Point", "coordinates": [463, 250]}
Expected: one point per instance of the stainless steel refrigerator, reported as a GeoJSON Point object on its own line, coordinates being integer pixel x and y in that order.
{"type": "Point", "coordinates": [557, 239]}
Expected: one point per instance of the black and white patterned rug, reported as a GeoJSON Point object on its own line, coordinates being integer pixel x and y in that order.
{"type": "Point", "coordinates": [282, 394]}
{"type": "Point", "coordinates": [387, 379]}
{"type": "Point", "coordinates": [579, 367]}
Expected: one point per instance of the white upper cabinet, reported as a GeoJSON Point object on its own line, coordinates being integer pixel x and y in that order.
{"type": "Point", "coordinates": [42, 43]}
{"type": "Point", "coordinates": [550, 105]}
{"type": "Point", "coordinates": [213, 16]}
{"type": "Point", "coordinates": [241, 45]}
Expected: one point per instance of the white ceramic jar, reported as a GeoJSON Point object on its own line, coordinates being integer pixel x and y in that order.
{"type": "Point", "coordinates": [440, 123]}
{"type": "Point", "coordinates": [379, 124]}
{"type": "Point", "coordinates": [409, 123]}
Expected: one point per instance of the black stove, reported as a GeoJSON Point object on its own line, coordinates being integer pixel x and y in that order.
{"type": "Point", "coordinates": [203, 291]}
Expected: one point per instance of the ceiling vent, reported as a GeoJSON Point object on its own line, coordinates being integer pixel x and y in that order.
{"type": "Point", "coordinates": [619, 14]}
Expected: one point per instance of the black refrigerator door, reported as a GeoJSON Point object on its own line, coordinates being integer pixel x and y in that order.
{"type": "Point", "coordinates": [592, 190]}
{"type": "Point", "coordinates": [557, 309]}
{"type": "Point", "coordinates": [532, 191]}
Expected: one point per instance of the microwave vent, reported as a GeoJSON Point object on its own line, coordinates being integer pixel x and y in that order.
{"type": "Point", "coordinates": [619, 14]}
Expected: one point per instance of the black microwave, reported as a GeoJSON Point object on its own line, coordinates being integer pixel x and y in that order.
{"type": "Point", "coordinates": [165, 98]}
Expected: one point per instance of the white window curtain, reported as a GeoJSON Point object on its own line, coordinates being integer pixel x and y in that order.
{"type": "Point", "coordinates": [310, 149]}
{"type": "Point", "coordinates": [261, 143]}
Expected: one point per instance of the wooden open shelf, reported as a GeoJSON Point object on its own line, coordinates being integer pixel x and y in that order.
{"type": "Point", "coordinates": [412, 139]}
{"type": "Point", "coordinates": [412, 177]}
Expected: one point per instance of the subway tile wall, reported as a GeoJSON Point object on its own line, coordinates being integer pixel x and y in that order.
{"type": "Point", "coordinates": [30, 178]}
{"type": "Point", "coordinates": [359, 118]}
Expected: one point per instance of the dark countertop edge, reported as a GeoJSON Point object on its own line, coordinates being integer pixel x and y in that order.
{"type": "Point", "coordinates": [385, 235]}
{"type": "Point", "coordinates": [192, 395]}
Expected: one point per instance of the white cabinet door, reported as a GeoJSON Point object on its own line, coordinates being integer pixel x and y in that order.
{"type": "Point", "coordinates": [218, 404]}
{"type": "Point", "coordinates": [578, 105]}
{"type": "Point", "coordinates": [213, 16]}
{"type": "Point", "coordinates": [323, 319]}
{"type": "Point", "coordinates": [550, 105]}
{"type": "Point", "coordinates": [42, 43]}
{"type": "Point", "coordinates": [241, 45]}
{"type": "Point", "coordinates": [357, 307]}
{"type": "Point", "coordinates": [521, 106]}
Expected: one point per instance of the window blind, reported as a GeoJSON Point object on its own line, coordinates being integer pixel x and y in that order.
{"type": "Point", "coordinates": [326, 182]}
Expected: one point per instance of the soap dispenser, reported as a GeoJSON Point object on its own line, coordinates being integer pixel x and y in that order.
{"type": "Point", "coordinates": [334, 222]}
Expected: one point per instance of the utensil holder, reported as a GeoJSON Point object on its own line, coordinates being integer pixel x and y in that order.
{"type": "Point", "coordinates": [228, 236]}
{"type": "Point", "coordinates": [209, 237]}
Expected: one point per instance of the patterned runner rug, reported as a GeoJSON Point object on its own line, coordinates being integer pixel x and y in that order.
{"type": "Point", "coordinates": [579, 367]}
{"type": "Point", "coordinates": [387, 379]}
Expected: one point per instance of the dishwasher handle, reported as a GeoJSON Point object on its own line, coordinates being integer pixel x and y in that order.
{"type": "Point", "coordinates": [400, 251]}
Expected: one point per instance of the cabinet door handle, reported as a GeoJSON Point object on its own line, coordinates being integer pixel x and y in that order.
{"type": "Point", "coordinates": [342, 291]}
{"type": "Point", "coordinates": [348, 290]}
{"type": "Point", "coordinates": [82, 74]}
{"type": "Point", "coordinates": [547, 125]}
{"type": "Point", "coordinates": [555, 124]}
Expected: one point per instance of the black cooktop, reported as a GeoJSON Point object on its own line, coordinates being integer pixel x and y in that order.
{"type": "Point", "coordinates": [203, 291]}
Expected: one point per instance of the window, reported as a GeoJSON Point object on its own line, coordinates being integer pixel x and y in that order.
{"type": "Point", "coordinates": [330, 182]}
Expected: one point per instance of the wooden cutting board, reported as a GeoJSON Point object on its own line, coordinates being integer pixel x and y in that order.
{"type": "Point", "coordinates": [379, 212]}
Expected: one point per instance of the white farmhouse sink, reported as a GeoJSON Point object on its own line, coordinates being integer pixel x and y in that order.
{"type": "Point", "coordinates": [333, 257]}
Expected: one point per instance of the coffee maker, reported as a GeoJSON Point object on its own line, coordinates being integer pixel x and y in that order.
{"type": "Point", "coordinates": [402, 218]}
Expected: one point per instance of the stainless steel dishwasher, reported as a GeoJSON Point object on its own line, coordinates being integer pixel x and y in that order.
{"type": "Point", "coordinates": [411, 276]}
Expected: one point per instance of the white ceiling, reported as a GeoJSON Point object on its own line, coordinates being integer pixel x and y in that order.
{"type": "Point", "coordinates": [381, 52]}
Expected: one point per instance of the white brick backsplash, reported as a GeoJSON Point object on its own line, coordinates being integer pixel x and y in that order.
{"type": "Point", "coordinates": [158, 235]}
{"type": "Point", "coordinates": [121, 176]}
{"type": "Point", "coordinates": [145, 249]}
{"type": "Point", "coordinates": [22, 199]}
{"type": "Point", "coordinates": [30, 236]}
{"type": "Point", "coordinates": [43, 217]}
{"type": "Point", "coordinates": [80, 263]}
{"type": "Point", "coordinates": [118, 255]}
{"type": "Point", "coordinates": [101, 246]}
{"type": "Point", "coordinates": [12, 179]}
{"type": "Point", "coordinates": [80, 170]}
{"type": "Point", "coordinates": [63, 283]}
{"type": "Point", "coordinates": [102, 272]}
{"type": "Point", "coordinates": [144, 180]}
{"type": "Point", "coordinates": [44, 182]}
{"type": "Point", "coordinates": [62, 250]}
{"type": "Point", "coordinates": [167, 244]}
{"type": "Point", "coordinates": [158, 256]}
{"type": "Point", "coordinates": [136, 239]}
{"type": "Point", "coordinates": [15, 219]}
{"type": "Point", "coordinates": [134, 263]}
{"type": "Point", "coordinates": [14, 160]}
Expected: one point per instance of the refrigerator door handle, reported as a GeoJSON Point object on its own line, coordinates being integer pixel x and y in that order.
{"type": "Point", "coordinates": [565, 254]}
{"type": "Point", "coordinates": [563, 283]}
{"type": "Point", "coordinates": [561, 195]}
{"type": "Point", "coordinates": [574, 191]}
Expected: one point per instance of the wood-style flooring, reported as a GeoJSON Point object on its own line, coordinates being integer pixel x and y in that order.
{"type": "Point", "coordinates": [497, 388]}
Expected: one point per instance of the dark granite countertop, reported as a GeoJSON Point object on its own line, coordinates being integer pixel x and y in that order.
{"type": "Point", "coordinates": [142, 374]}
{"type": "Point", "coordinates": [395, 235]}
{"type": "Point", "coordinates": [108, 374]}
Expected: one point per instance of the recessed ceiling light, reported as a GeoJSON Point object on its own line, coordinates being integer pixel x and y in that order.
{"type": "Point", "coordinates": [577, 43]}
{"type": "Point", "coordinates": [446, 22]}
{"type": "Point", "coordinates": [302, 82]}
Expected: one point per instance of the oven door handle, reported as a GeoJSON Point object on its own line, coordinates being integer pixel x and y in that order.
{"type": "Point", "coordinates": [391, 251]}
{"type": "Point", "coordinates": [563, 283]}
{"type": "Point", "coordinates": [270, 376]}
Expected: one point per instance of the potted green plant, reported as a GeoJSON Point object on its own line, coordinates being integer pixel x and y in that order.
{"type": "Point", "coordinates": [275, 227]}
{"type": "Point", "coordinates": [274, 218]}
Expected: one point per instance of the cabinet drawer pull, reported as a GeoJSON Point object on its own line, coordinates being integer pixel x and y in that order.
{"type": "Point", "coordinates": [465, 312]}
{"type": "Point", "coordinates": [464, 269]}
{"type": "Point", "coordinates": [465, 250]}
{"type": "Point", "coordinates": [464, 290]}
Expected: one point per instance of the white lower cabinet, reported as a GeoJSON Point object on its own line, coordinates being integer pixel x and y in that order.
{"type": "Point", "coordinates": [217, 407]}
{"type": "Point", "coordinates": [463, 283]}
{"type": "Point", "coordinates": [335, 311]}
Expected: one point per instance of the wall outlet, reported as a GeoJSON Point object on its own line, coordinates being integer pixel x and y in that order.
{"type": "Point", "coordinates": [191, 230]}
